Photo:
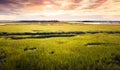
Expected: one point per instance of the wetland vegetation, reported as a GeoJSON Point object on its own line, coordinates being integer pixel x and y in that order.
{"type": "Point", "coordinates": [60, 46]}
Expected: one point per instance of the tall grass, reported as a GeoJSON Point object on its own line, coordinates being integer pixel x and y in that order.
{"type": "Point", "coordinates": [81, 52]}
{"type": "Point", "coordinates": [62, 53]}
{"type": "Point", "coordinates": [60, 27]}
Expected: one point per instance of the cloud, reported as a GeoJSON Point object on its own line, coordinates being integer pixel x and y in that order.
{"type": "Point", "coordinates": [7, 17]}
{"type": "Point", "coordinates": [57, 4]}
{"type": "Point", "coordinates": [59, 8]}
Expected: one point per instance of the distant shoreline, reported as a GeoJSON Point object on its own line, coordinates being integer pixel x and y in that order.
{"type": "Point", "coordinates": [55, 21]}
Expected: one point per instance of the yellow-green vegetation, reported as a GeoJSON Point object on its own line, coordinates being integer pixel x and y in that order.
{"type": "Point", "coordinates": [61, 27]}
{"type": "Point", "coordinates": [82, 51]}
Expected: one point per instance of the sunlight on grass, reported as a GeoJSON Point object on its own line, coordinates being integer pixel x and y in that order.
{"type": "Point", "coordinates": [81, 52]}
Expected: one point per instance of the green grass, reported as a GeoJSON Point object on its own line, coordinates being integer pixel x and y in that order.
{"type": "Point", "coordinates": [58, 27]}
{"type": "Point", "coordinates": [81, 52]}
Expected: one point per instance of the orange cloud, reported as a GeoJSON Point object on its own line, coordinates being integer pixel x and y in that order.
{"type": "Point", "coordinates": [96, 4]}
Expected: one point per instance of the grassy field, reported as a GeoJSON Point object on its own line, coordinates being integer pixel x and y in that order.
{"type": "Point", "coordinates": [60, 46]}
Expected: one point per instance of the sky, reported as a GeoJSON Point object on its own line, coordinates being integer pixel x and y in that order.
{"type": "Point", "coordinates": [60, 10]}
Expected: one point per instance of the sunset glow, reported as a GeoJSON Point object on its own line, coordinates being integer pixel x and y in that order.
{"type": "Point", "coordinates": [59, 9]}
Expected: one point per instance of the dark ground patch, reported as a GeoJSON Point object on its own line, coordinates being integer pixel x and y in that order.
{"type": "Point", "coordinates": [27, 35]}
{"type": "Point", "coordinates": [2, 56]}
{"type": "Point", "coordinates": [94, 44]}
{"type": "Point", "coordinates": [92, 32]}
{"type": "Point", "coordinates": [52, 52]}
{"type": "Point", "coordinates": [32, 49]}
{"type": "Point", "coordinates": [116, 59]}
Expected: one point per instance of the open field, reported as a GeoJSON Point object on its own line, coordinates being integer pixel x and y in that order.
{"type": "Point", "coordinates": [57, 27]}
{"type": "Point", "coordinates": [60, 46]}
